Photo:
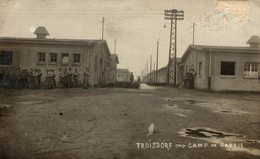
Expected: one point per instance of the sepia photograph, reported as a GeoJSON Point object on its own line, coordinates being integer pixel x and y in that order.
{"type": "Point", "coordinates": [129, 79]}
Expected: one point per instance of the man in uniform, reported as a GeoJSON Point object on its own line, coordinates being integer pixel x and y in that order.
{"type": "Point", "coordinates": [34, 78]}
{"type": "Point", "coordinates": [75, 78]}
{"type": "Point", "coordinates": [132, 77]}
{"type": "Point", "coordinates": [47, 79]}
{"type": "Point", "coordinates": [52, 79]}
{"type": "Point", "coordinates": [70, 76]}
{"type": "Point", "coordinates": [86, 78]}
{"type": "Point", "coordinates": [61, 77]}
{"type": "Point", "coordinates": [30, 78]}
{"type": "Point", "coordinates": [39, 76]}
{"type": "Point", "coordinates": [65, 79]}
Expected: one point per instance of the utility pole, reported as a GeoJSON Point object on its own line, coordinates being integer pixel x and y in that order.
{"type": "Point", "coordinates": [173, 15]}
{"type": "Point", "coordinates": [147, 65]}
{"type": "Point", "coordinates": [154, 73]}
{"type": "Point", "coordinates": [156, 76]}
{"type": "Point", "coordinates": [193, 33]}
{"type": "Point", "coordinates": [103, 24]}
{"type": "Point", "coordinates": [151, 65]}
{"type": "Point", "coordinates": [115, 47]}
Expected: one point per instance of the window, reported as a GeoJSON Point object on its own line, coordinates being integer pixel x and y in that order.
{"type": "Point", "coordinates": [200, 67]}
{"type": "Point", "coordinates": [53, 57]}
{"type": "Point", "coordinates": [228, 68]}
{"type": "Point", "coordinates": [41, 57]}
{"type": "Point", "coordinates": [65, 58]}
{"type": "Point", "coordinates": [76, 58]}
{"type": "Point", "coordinates": [251, 70]}
{"type": "Point", "coordinates": [6, 58]}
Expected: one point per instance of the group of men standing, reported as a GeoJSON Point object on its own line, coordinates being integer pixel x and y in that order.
{"type": "Point", "coordinates": [14, 77]}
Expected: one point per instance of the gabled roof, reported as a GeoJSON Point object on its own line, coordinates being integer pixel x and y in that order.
{"type": "Point", "coordinates": [254, 40]}
{"type": "Point", "coordinates": [81, 42]}
{"type": "Point", "coordinates": [50, 41]}
{"type": "Point", "coordinates": [226, 49]}
{"type": "Point", "coordinates": [123, 70]}
{"type": "Point", "coordinates": [41, 30]}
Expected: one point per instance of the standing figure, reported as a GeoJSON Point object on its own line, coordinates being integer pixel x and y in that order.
{"type": "Point", "coordinates": [47, 79]}
{"type": "Point", "coordinates": [86, 78]}
{"type": "Point", "coordinates": [65, 79]}
{"type": "Point", "coordinates": [34, 77]}
{"type": "Point", "coordinates": [132, 77]}
{"type": "Point", "coordinates": [24, 79]}
{"type": "Point", "coordinates": [61, 77]}
{"type": "Point", "coordinates": [52, 79]}
{"type": "Point", "coordinates": [75, 78]}
{"type": "Point", "coordinates": [70, 76]}
{"type": "Point", "coordinates": [39, 76]}
{"type": "Point", "coordinates": [19, 81]}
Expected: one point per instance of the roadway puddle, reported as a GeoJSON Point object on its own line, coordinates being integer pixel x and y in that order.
{"type": "Point", "coordinates": [221, 106]}
{"type": "Point", "coordinates": [228, 141]}
{"type": "Point", "coordinates": [33, 101]}
{"type": "Point", "coordinates": [147, 87]}
{"type": "Point", "coordinates": [30, 102]}
{"type": "Point", "coordinates": [231, 112]}
{"type": "Point", "coordinates": [185, 100]}
{"type": "Point", "coordinates": [4, 106]}
{"type": "Point", "coordinates": [4, 109]}
{"type": "Point", "coordinates": [176, 110]}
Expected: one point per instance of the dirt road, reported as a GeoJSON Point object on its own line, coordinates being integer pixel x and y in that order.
{"type": "Point", "coordinates": [113, 123]}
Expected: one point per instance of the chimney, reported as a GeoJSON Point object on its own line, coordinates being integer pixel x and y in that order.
{"type": "Point", "coordinates": [254, 41]}
{"type": "Point", "coordinates": [41, 32]}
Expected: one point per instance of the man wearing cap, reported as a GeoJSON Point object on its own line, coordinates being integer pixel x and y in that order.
{"type": "Point", "coordinates": [86, 78]}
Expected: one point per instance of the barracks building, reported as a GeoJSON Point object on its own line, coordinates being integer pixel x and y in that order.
{"type": "Point", "coordinates": [224, 67]}
{"type": "Point", "coordinates": [218, 68]}
{"type": "Point", "coordinates": [43, 53]}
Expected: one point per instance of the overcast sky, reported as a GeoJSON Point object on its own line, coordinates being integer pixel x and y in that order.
{"type": "Point", "coordinates": [136, 24]}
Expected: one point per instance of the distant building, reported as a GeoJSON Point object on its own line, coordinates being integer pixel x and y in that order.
{"type": "Point", "coordinates": [43, 53]}
{"type": "Point", "coordinates": [123, 75]}
{"type": "Point", "coordinates": [162, 74]}
{"type": "Point", "coordinates": [224, 67]}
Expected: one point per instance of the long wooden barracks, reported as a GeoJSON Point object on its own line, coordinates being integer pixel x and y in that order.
{"type": "Point", "coordinates": [43, 53]}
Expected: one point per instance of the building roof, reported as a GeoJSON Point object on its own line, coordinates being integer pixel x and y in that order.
{"type": "Point", "coordinates": [123, 70]}
{"type": "Point", "coordinates": [41, 30]}
{"type": "Point", "coordinates": [254, 40]}
{"type": "Point", "coordinates": [226, 49]}
{"type": "Point", "coordinates": [49, 41]}
{"type": "Point", "coordinates": [79, 42]}
{"type": "Point", "coordinates": [163, 68]}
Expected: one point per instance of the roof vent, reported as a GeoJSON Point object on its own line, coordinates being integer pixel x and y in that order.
{"type": "Point", "coordinates": [254, 41]}
{"type": "Point", "coordinates": [41, 32]}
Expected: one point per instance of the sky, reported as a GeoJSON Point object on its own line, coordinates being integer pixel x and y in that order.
{"type": "Point", "coordinates": [135, 24]}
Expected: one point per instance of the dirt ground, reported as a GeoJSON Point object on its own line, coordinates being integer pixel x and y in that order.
{"type": "Point", "coordinates": [114, 123]}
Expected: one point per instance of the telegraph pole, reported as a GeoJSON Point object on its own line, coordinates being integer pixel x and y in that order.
{"type": "Point", "coordinates": [193, 33]}
{"type": "Point", "coordinates": [156, 76]}
{"type": "Point", "coordinates": [115, 47]}
{"type": "Point", "coordinates": [151, 65]}
{"type": "Point", "coordinates": [147, 65]}
{"type": "Point", "coordinates": [103, 24]}
{"type": "Point", "coordinates": [154, 73]}
{"type": "Point", "coordinates": [173, 15]}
